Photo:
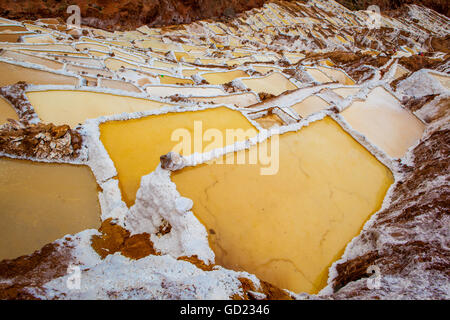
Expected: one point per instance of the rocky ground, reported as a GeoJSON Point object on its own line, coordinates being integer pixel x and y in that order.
{"type": "Point", "coordinates": [129, 15]}
{"type": "Point", "coordinates": [409, 240]}
{"type": "Point", "coordinates": [27, 139]}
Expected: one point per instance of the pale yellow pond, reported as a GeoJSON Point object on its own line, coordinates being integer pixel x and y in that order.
{"type": "Point", "coordinates": [318, 75]}
{"type": "Point", "coordinates": [289, 227]}
{"type": "Point", "coordinates": [241, 100]}
{"type": "Point", "coordinates": [135, 146]}
{"type": "Point", "coordinates": [269, 121]}
{"type": "Point", "coordinates": [310, 105]}
{"type": "Point", "coordinates": [6, 111]}
{"type": "Point", "coordinates": [385, 123]}
{"type": "Point", "coordinates": [119, 85]}
{"type": "Point", "coordinates": [73, 107]}
{"type": "Point", "coordinates": [275, 83]}
{"type": "Point", "coordinates": [337, 75]}
{"type": "Point", "coordinates": [18, 56]}
{"type": "Point", "coordinates": [11, 74]}
{"type": "Point", "coordinates": [42, 202]}
{"type": "Point", "coordinates": [345, 92]}
{"type": "Point", "coordinates": [223, 77]}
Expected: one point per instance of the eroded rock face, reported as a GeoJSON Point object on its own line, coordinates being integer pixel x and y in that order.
{"type": "Point", "coordinates": [408, 241]}
{"type": "Point", "coordinates": [33, 270]}
{"type": "Point", "coordinates": [440, 6]}
{"type": "Point", "coordinates": [41, 141]}
{"type": "Point", "coordinates": [127, 15]}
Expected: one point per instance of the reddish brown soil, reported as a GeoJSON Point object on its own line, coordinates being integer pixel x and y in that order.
{"type": "Point", "coordinates": [415, 63]}
{"type": "Point", "coordinates": [357, 65]}
{"type": "Point", "coordinates": [33, 271]}
{"type": "Point", "coordinates": [271, 292]}
{"type": "Point", "coordinates": [265, 96]}
{"type": "Point", "coordinates": [197, 262]}
{"type": "Point", "coordinates": [127, 14]}
{"type": "Point", "coordinates": [115, 238]}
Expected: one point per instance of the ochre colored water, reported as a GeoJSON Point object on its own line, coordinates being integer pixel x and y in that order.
{"type": "Point", "coordinates": [385, 123]}
{"type": "Point", "coordinates": [42, 202]}
{"type": "Point", "coordinates": [174, 80]}
{"type": "Point", "coordinates": [135, 146]}
{"type": "Point", "coordinates": [6, 111]}
{"type": "Point", "coordinates": [288, 228]}
{"type": "Point", "coordinates": [74, 107]}
{"type": "Point", "coordinates": [11, 36]}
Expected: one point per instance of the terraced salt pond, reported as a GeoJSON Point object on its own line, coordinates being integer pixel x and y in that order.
{"type": "Point", "coordinates": [309, 106]}
{"type": "Point", "coordinates": [240, 99]}
{"type": "Point", "coordinates": [269, 121]}
{"type": "Point", "coordinates": [12, 73]}
{"type": "Point", "coordinates": [346, 92]}
{"type": "Point", "coordinates": [165, 91]}
{"type": "Point", "coordinates": [32, 59]}
{"type": "Point", "coordinates": [73, 107]}
{"type": "Point", "coordinates": [318, 75]}
{"type": "Point", "coordinates": [6, 111]}
{"type": "Point", "coordinates": [274, 83]}
{"type": "Point", "coordinates": [223, 77]}
{"type": "Point", "coordinates": [337, 75]}
{"type": "Point", "coordinates": [289, 227]}
{"type": "Point", "coordinates": [384, 122]}
{"type": "Point", "coordinates": [42, 202]}
{"type": "Point", "coordinates": [135, 146]}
